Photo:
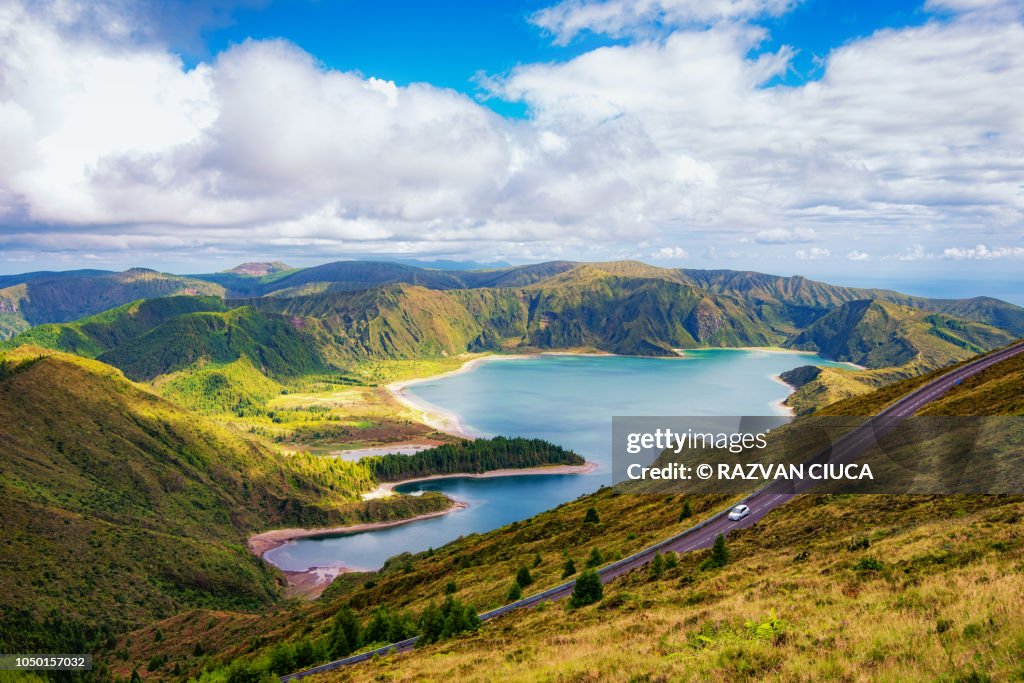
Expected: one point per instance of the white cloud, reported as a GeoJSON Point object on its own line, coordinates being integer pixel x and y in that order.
{"type": "Point", "coordinates": [617, 18]}
{"type": "Point", "coordinates": [914, 252]}
{"type": "Point", "coordinates": [983, 252]}
{"type": "Point", "coordinates": [813, 253]}
{"type": "Point", "coordinates": [671, 253]}
{"type": "Point", "coordinates": [858, 256]}
{"type": "Point", "coordinates": [912, 134]}
{"type": "Point", "coordinates": [785, 235]}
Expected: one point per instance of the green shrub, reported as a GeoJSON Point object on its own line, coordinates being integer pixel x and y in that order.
{"type": "Point", "coordinates": [588, 589]}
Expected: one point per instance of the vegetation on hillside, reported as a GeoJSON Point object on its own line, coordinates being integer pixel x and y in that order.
{"type": "Point", "coordinates": [345, 313]}
{"type": "Point", "coordinates": [928, 562]}
{"type": "Point", "coordinates": [56, 297]}
{"type": "Point", "coordinates": [120, 507]}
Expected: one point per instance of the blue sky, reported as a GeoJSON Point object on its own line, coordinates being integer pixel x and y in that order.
{"type": "Point", "coordinates": [857, 142]}
{"type": "Point", "coordinates": [448, 42]}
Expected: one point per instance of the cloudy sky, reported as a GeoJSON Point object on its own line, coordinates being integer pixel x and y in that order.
{"type": "Point", "coordinates": [860, 142]}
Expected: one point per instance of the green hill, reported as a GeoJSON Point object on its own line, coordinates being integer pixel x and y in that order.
{"type": "Point", "coordinates": [93, 335]}
{"type": "Point", "coordinates": [45, 299]}
{"type": "Point", "coordinates": [879, 334]}
{"type": "Point", "coordinates": [121, 507]}
{"type": "Point", "coordinates": [894, 341]}
{"type": "Point", "coordinates": [800, 301]}
{"type": "Point", "coordinates": [330, 317]}
{"type": "Point", "coordinates": [279, 346]}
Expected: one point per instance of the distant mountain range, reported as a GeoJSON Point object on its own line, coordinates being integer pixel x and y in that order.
{"type": "Point", "coordinates": [291, 322]}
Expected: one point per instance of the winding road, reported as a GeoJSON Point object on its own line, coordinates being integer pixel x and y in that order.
{"type": "Point", "coordinates": [761, 502]}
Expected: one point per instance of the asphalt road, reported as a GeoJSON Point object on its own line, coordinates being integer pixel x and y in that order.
{"type": "Point", "coordinates": [761, 502]}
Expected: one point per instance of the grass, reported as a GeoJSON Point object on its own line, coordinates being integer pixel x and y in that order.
{"type": "Point", "coordinates": [120, 507]}
{"type": "Point", "coordinates": [848, 587]}
{"type": "Point", "coordinates": [944, 604]}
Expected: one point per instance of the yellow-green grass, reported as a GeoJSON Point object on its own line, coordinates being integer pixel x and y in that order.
{"type": "Point", "coordinates": [120, 507]}
{"type": "Point", "coordinates": [797, 553]}
{"type": "Point", "coordinates": [935, 595]}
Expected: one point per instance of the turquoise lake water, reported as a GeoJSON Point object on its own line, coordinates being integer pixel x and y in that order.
{"type": "Point", "coordinates": [569, 400]}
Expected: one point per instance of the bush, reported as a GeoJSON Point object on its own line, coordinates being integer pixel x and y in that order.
{"type": "Point", "coordinates": [588, 589]}
{"type": "Point", "coordinates": [869, 564]}
{"type": "Point", "coordinates": [686, 512]}
{"type": "Point", "coordinates": [595, 559]}
{"type": "Point", "coordinates": [569, 569]}
{"type": "Point", "coordinates": [537, 560]}
{"type": "Point", "coordinates": [452, 618]}
{"type": "Point", "coordinates": [859, 544]}
{"type": "Point", "coordinates": [591, 517]}
{"type": "Point", "coordinates": [657, 566]}
{"type": "Point", "coordinates": [719, 554]}
{"type": "Point", "coordinates": [523, 577]}
{"type": "Point", "coordinates": [515, 593]}
{"type": "Point", "coordinates": [344, 638]}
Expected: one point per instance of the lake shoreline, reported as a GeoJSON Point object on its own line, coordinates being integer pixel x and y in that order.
{"type": "Point", "coordinates": [445, 420]}
{"type": "Point", "coordinates": [312, 581]}
{"type": "Point", "coordinates": [451, 423]}
{"type": "Point", "coordinates": [388, 487]}
{"type": "Point", "coordinates": [262, 543]}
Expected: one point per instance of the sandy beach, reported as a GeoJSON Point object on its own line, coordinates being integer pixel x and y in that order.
{"type": "Point", "coordinates": [445, 420]}
{"type": "Point", "coordinates": [781, 403]}
{"type": "Point", "coordinates": [440, 419]}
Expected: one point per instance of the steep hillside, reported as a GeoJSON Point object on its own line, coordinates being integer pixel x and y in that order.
{"type": "Point", "coordinates": [123, 507]}
{"type": "Point", "coordinates": [879, 334]}
{"type": "Point", "coordinates": [60, 299]}
{"type": "Point", "coordinates": [95, 334]}
{"type": "Point", "coordinates": [330, 317]}
{"type": "Point", "coordinates": [799, 300]}
{"type": "Point", "coordinates": [279, 346]}
{"type": "Point", "coordinates": [394, 321]}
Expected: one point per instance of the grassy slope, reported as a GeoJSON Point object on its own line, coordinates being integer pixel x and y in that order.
{"type": "Point", "coordinates": [940, 603]}
{"type": "Point", "coordinates": [128, 508]}
{"type": "Point", "coordinates": [63, 298]}
{"type": "Point", "coordinates": [950, 568]}
{"type": "Point", "coordinates": [620, 307]}
{"type": "Point", "coordinates": [895, 341]}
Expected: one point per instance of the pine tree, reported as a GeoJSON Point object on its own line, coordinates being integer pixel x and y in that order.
{"type": "Point", "coordinates": [595, 559]}
{"type": "Point", "coordinates": [569, 569]}
{"type": "Point", "coordinates": [588, 589]}
{"type": "Point", "coordinates": [686, 512]}
{"type": "Point", "coordinates": [379, 628]}
{"type": "Point", "coordinates": [591, 517]}
{"type": "Point", "coordinates": [431, 624]}
{"type": "Point", "coordinates": [657, 566]}
{"type": "Point", "coordinates": [523, 578]}
{"type": "Point", "coordinates": [515, 593]}
{"type": "Point", "coordinates": [719, 554]}
{"type": "Point", "coordinates": [344, 637]}
{"type": "Point", "coordinates": [671, 560]}
{"type": "Point", "coordinates": [451, 588]}
{"type": "Point", "coordinates": [537, 560]}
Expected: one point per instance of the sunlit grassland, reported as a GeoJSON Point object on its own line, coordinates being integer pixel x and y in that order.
{"type": "Point", "coordinates": [318, 414]}
{"type": "Point", "coordinates": [933, 594]}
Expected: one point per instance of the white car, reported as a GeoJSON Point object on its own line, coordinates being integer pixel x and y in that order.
{"type": "Point", "coordinates": [739, 512]}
